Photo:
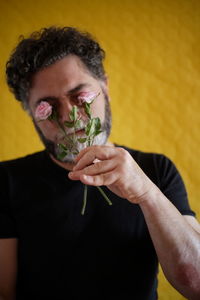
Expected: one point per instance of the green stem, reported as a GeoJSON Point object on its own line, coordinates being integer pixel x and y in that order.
{"type": "Point", "coordinates": [74, 133]}
{"type": "Point", "coordinates": [71, 142]}
{"type": "Point", "coordinates": [84, 199]}
{"type": "Point", "coordinates": [104, 195]}
{"type": "Point", "coordinates": [63, 130]}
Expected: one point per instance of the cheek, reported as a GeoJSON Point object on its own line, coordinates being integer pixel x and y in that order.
{"type": "Point", "coordinates": [47, 128]}
{"type": "Point", "coordinates": [98, 109]}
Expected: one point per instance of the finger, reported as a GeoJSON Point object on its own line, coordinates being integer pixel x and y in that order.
{"type": "Point", "coordinates": [95, 148]}
{"type": "Point", "coordinates": [98, 180]}
{"type": "Point", "coordinates": [94, 169]}
{"type": "Point", "coordinates": [81, 153]}
{"type": "Point", "coordinates": [88, 155]}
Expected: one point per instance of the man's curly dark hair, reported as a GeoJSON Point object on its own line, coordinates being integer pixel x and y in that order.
{"type": "Point", "coordinates": [45, 47]}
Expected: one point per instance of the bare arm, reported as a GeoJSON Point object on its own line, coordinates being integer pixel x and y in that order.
{"type": "Point", "coordinates": [8, 268]}
{"type": "Point", "coordinates": [177, 242]}
{"type": "Point", "coordinates": [175, 237]}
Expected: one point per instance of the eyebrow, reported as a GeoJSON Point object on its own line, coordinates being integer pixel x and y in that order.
{"type": "Point", "coordinates": [78, 88]}
{"type": "Point", "coordinates": [70, 92]}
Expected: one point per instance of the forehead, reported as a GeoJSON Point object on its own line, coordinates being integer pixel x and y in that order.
{"type": "Point", "coordinates": [67, 68]}
{"type": "Point", "coordinates": [60, 77]}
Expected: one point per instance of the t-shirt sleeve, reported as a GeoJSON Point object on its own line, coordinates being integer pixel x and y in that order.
{"type": "Point", "coordinates": [172, 185]}
{"type": "Point", "coordinates": [7, 220]}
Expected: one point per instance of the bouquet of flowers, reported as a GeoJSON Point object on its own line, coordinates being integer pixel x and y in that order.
{"type": "Point", "coordinates": [45, 111]}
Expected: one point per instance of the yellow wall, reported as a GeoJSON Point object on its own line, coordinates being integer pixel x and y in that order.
{"type": "Point", "coordinates": [153, 64]}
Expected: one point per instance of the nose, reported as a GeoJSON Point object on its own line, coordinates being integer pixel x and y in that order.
{"type": "Point", "coordinates": [63, 109]}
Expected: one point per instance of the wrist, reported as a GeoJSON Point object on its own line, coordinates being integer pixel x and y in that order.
{"type": "Point", "coordinates": [146, 193]}
{"type": "Point", "coordinates": [147, 198]}
{"type": "Point", "coordinates": [151, 198]}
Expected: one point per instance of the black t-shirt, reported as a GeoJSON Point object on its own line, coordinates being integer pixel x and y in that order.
{"type": "Point", "coordinates": [105, 254]}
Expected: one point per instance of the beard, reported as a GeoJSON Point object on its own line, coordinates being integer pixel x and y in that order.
{"type": "Point", "coordinates": [101, 139]}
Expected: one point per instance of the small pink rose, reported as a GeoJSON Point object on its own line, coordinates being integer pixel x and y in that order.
{"type": "Point", "coordinates": [86, 97]}
{"type": "Point", "coordinates": [43, 111]}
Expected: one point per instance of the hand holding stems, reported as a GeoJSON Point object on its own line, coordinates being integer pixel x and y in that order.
{"type": "Point", "coordinates": [92, 129]}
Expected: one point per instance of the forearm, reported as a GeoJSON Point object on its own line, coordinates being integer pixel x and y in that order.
{"type": "Point", "coordinates": [177, 244]}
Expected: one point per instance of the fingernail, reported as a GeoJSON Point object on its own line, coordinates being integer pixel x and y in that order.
{"type": "Point", "coordinates": [70, 174]}
{"type": "Point", "coordinates": [88, 178]}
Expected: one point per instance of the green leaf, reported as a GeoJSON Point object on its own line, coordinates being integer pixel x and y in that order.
{"type": "Point", "coordinates": [75, 152]}
{"type": "Point", "coordinates": [61, 155]}
{"type": "Point", "coordinates": [87, 110]}
{"type": "Point", "coordinates": [82, 140]}
{"type": "Point", "coordinates": [97, 124]}
{"type": "Point", "coordinates": [73, 113]}
{"type": "Point", "coordinates": [87, 128]}
{"type": "Point", "coordinates": [62, 147]}
{"type": "Point", "coordinates": [69, 124]}
{"type": "Point", "coordinates": [77, 124]}
{"type": "Point", "coordinates": [98, 132]}
{"type": "Point", "coordinates": [53, 115]}
{"type": "Point", "coordinates": [90, 128]}
{"type": "Point", "coordinates": [94, 127]}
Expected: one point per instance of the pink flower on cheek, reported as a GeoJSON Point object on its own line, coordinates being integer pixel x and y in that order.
{"type": "Point", "coordinates": [86, 97]}
{"type": "Point", "coordinates": [43, 111]}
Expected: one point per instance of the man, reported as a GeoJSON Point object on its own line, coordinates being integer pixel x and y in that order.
{"type": "Point", "coordinates": [48, 250]}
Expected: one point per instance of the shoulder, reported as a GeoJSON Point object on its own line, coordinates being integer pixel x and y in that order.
{"type": "Point", "coordinates": [25, 159]}
{"type": "Point", "coordinates": [153, 164]}
{"type": "Point", "coordinates": [158, 167]}
{"type": "Point", "coordinates": [23, 163]}
{"type": "Point", "coordinates": [141, 156]}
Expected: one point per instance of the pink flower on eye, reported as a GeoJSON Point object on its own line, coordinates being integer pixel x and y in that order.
{"type": "Point", "coordinates": [86, 97]}
{"type": "Point", "coordinates": [43, 111]}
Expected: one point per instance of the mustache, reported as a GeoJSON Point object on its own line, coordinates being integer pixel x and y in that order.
{"type": "Point", "coordinates": [70, 131]}
{"type": "Point", "coordinates": [66, 134]}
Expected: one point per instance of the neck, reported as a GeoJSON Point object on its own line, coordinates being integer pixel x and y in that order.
{"type": "Point", "coordinates": [65, 165]}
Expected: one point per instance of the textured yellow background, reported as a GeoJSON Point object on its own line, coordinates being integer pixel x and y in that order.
{"type": "Point", "coordinates": [153, 64]}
